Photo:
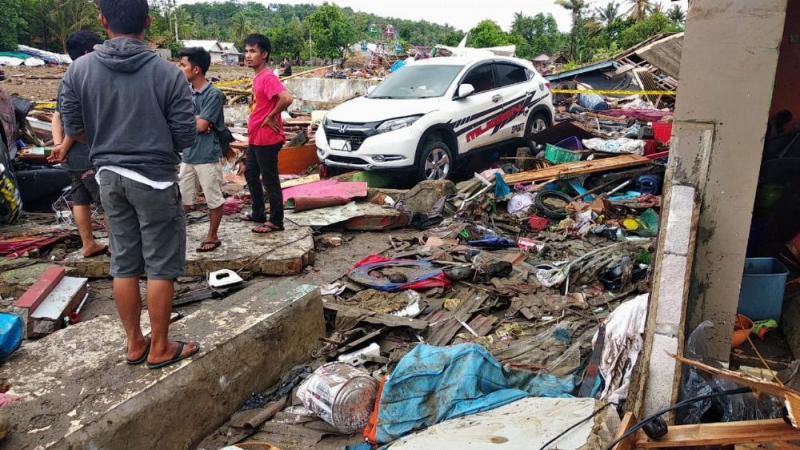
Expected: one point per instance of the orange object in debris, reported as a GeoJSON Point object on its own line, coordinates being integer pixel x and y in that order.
{"type": "Point", "coordinates": [741, 329]}
{"type": "Point", "coordinates": [295, 160]}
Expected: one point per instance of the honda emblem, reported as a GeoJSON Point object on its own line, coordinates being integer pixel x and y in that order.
{"type": "Point", "coordinates": [342, 128]}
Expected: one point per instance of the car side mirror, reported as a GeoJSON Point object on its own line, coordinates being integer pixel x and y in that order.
{"type": "Point", "coordinates": [465, 90]}
{"type": "Point", "coordinates": [371, 89]}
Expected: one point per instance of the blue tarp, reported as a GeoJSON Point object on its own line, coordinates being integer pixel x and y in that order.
{"type": "Point", "coordinates": [433, 384]}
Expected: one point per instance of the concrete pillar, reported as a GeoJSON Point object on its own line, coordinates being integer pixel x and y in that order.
{"type": "Point", "coordinates": [730, 53]}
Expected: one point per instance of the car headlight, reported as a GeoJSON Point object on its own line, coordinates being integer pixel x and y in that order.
{"type": "Point", "coordinates": [396, 124]}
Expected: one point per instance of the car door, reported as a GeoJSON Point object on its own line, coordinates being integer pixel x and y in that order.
{"type": "Point", "coordinates": [472, 113]}
{"type": "Point", "coordinates": [512, 84]}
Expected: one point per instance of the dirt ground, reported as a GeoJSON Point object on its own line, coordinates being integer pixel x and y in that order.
{"type": "Point", "coordinates": [41, 83]}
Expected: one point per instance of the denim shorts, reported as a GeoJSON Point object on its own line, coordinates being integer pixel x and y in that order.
{"type": "Point", "coordinates": [147, 228]}
{"type": "Point", "coordinates": [84, 188]}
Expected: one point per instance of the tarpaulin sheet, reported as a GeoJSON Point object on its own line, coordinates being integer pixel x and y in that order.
{"type": "Point", "coordinates": [433, 384]}
{"type": "Point", "coordinates": [424, 275]}
{"type": "Point", "coordinates": [326, 189]}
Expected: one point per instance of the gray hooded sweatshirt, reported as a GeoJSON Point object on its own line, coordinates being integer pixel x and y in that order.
{"type": "Point", "coordinates": [135, 108]}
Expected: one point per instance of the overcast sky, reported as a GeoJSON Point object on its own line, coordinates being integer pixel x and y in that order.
{"type": "Point", "coordinates": [463, 14]}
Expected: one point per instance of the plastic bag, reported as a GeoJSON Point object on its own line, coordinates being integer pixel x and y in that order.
{"type": "Point", "coordinates": [728, 408]}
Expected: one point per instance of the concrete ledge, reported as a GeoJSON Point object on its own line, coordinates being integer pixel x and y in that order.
{"type": "Point", "coordinates": [284, 253]}
{"type": "Point", "coordinates": [80, 393]}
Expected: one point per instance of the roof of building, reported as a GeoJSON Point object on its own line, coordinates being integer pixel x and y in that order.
{"type": "Point", "coordinates": [209, 46]}
{"type": "Point", "coordinates": [229, 48]}
{"type": "Point", "coordinates": [604, 66]}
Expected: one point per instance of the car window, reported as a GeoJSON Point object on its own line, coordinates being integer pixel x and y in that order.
{"type": "Point", "coordinates": [481, 78]}
{"type": "Point", "coordinates": [423, 81]}
{"type": "Point", "coordinates": [508, 74]}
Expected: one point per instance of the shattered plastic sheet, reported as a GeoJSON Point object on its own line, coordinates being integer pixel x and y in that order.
{"type": "Point", "coordinates": [623, 343]}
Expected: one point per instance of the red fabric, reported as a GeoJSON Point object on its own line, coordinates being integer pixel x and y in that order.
{"type": "Point", "coordinates": [650, 147]}
{"type": "Point", "coordinates": [371, 260]}
{"type": "Point", "coordinates": [14, 248]}
{"type": "Point", "coordinates": [326, 189]}
{"type": "Point", "coordinates": [537, 223]}
{"type": "Point", "coordinates": [266, 87]}
{"type": "Point", "coordinates": [440, 280]}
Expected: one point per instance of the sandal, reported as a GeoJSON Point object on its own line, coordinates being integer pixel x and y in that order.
{"type": "Point", "coordinates": [208, 246]}
{"type": "Point", "coordinates": [267, 227]}
{"type": "Point", "coordinates": [143, 358]}
{"type": "Point", "coordinates": [249, 218]}
{"type": "Point", "coordinates": [178, 356]}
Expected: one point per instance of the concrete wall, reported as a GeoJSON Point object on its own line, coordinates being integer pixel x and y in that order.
{"type": "Point", "coordinates": [324, 93]}
{"type": "Point", "coordinates": [730, 54]}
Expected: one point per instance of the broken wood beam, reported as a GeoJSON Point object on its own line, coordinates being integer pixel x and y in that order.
{"type": "Point", "coordinates": [790, 397]}
{"type": "Point", "coordinates": [376, 318]}
{"type": "Point", "coordinates": [577, 168]}
{"type": "Point", "coordinates": [723, 433]}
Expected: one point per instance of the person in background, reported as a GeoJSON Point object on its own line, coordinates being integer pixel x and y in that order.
{"type": "Point", "coordinates": [135, 111]}
{"type": "Point", "coordinates": [202, 161]}
{"type": "Point", "coordinates": [266, 136]}
{"type": "Point", "coordinates": [75, 156]}
{"type": "Point", "coordinates": [286, 65]}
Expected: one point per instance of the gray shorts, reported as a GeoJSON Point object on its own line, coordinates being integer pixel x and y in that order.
{"type": "Point", "coordinates": [147, 228]}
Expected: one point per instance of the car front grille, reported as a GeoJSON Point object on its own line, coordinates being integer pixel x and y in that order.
{"type": "Point", "coordinates": [346, 160]}
{"type": "Point", "coordinates": [354, 139]}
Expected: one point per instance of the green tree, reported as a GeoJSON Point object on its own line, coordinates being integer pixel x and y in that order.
{"type": "Point", "coordinates": [487, 34]}
{"type": "Point", "coordinates": [640, 9]}
{"type": "Point", "coordinates": [577, 8]}
{"type": "Point", "coordinates": [288, 41]}
{"type": "Point", "coordinates": [51, 21]}
{"type": "Point", "coordinates": [540, 34]}
{"type": "Point", "coordinates": [331, 33]}
{"type": "Point", "coordinates": [10, 21]}
{"type": "Point", "coordinates": [676, 15]}
{"type": "Point", "coordinates": [651, 26]}
{"type": "Point", "coordinates": [608, 14]}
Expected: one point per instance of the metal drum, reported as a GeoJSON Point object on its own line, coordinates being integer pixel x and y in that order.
{"type": "Point", "coordinates": [341, 395]}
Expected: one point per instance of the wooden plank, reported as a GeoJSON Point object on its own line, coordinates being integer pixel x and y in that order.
{"type": "Point", "coordinates": [36, 294]}
{"type": "Point", "coordinates": [790, 397]}
{"type": "Point", "coordinates": [300, 181]}
{"type": "Point", "coordinates": [577, 168]}
{"type": "Point", "coordinates": [376, 318]}
{"type": "Point", "coordinates": [724, 433]}
{"type": "Point", "coordinates": [628, 421]}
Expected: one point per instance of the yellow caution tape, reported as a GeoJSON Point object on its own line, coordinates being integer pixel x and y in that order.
{"type": "Point", "coordinates": [233, 83]}
{"type": "Point", "coordinates": [612, 93]}
{"type": "Point", "coordinates": [44, 105]}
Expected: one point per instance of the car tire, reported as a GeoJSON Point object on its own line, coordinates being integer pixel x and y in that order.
{"type": "Point", "coordinates": [435, 161]}
{"type": "Point", "coordinates": [552, 204]}
{"type": "Point", "coordinates": [537, 122]}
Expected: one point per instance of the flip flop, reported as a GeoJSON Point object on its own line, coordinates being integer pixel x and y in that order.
{"type": "Point", "coordinates": [214, 245]}
{"type": "Point", "coordinates": [143, 358]}
{"type": "Point", "coordinates": [250, 218]}
{"type": "Point", "coordinates": [98, 252]}
{"type": "Point", "coordinates": [268, 227]}
{"type": "Point", "coordinates": [177, 357]}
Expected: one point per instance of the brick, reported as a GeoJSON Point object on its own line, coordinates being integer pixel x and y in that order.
{"type": "Point", "coordinates": [39, 291]}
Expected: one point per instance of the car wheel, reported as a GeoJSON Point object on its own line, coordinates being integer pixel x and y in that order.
{"type": "Point", "coordinates": [436, 160]}
{"type": "Point", "coordinates": [538, 122]}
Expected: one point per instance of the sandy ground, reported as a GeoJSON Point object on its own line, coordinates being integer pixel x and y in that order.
{"type": "Point", "coordinates": [41, 83]}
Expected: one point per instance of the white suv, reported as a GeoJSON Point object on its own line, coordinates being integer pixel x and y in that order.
{"type": "Point", "coordinates": [430, 113]}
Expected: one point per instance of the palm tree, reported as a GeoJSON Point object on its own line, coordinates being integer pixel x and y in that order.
{"type": "Point", "coordinates": [676, 14]}
{"type": "Point", "coordinates": [608, 14]}
{"type": "Point", "coordinates": [575, 7]}
{"type": "Point", "coordinates": [640, 9]}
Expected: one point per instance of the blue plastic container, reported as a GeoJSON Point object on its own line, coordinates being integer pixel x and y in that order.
{"type": "Point", "coordinates": [763, 282]}
{"type": "Point", "coordinates": [12, 330]}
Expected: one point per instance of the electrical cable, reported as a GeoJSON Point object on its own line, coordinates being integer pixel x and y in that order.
{"type": "Point", "coordinates": [643, 422]}
{"type": "Point", "coordinates": [560, 435]}
{"type": "Point", "coordinates": [678, 405]}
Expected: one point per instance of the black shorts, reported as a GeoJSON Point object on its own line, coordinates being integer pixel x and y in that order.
{"type": "Point", "coordinates": [85, 190]}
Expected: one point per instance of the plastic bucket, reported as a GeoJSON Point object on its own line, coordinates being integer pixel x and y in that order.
{"type": "Point", "coordinates": [763, 282]}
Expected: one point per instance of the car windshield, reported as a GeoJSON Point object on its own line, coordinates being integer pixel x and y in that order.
{"type": "Point", "coordinates": [424, 81]}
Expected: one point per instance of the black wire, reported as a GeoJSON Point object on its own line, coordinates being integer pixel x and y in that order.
{"type": "Point", "coordinates": [560, 435]}
{"type": "Point", "coordinates": [678, 405]}
{"type": "Point", "coordinates": [642, 423]}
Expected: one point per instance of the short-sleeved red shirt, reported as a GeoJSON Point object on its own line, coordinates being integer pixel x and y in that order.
{"type": "Point", "coordinates": [266, 87]}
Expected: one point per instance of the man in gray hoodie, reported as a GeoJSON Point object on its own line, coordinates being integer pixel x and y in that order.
{"type": "Point", "coordinates": [135, 112]}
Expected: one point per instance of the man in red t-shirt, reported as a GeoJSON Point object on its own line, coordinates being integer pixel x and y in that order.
{"type": "Point", "coordinates": [265, 134]}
